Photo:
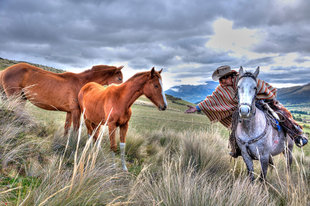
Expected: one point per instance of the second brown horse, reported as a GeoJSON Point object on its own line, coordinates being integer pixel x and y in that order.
{"type": "Point", "coordinates": [55, 91]}
{"type": "Point", "coordinates": [97, 102]}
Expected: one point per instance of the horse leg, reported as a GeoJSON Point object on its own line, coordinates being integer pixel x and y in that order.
{"type": "Point", "coordinates": [112, 128]}
{"type": "Point", "coordinates": [122, 144]}
{"type": "Point", "coordinates": [249, 164]}
{"type": "Point", "coordinates": [76, 116]}
{"type": "Point", "coordinates": [68, 123]}
{"type": "Point", "coordinates": [2, 93]}
{"type": "Point", "coordinates": [89, 127]}
{"type": "Point", "coordinates": [264, 162]}
{"type": "Point", "coordinates": [288, 154]}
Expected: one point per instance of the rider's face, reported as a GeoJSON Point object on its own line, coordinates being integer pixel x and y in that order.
{"type": "Point", "coordinates": [225, 82]}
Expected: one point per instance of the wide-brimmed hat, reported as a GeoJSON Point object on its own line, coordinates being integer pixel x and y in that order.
{"type": "Point", "coordinates": [222, 71]}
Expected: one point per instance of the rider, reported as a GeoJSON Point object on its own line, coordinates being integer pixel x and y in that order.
{"type": "Point", "coordinates": [220, 105]}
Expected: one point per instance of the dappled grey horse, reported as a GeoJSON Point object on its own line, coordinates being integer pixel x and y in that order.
{"type": "Point", "coordinates": [256, 137]}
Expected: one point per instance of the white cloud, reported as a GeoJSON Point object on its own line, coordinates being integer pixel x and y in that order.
{"type": "Point", "coordinates": [238, 42]}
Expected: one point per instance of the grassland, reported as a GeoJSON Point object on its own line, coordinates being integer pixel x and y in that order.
{"type": "Point", "coordinates": [173, 159]}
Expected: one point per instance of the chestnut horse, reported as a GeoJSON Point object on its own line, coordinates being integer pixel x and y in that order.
{"type": "Point", "coordinates": [55, 91]}
{"type": "Point", "coordinates": [97, 102]}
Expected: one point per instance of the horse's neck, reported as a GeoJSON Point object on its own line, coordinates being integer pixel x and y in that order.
{"type": "Point", "coordinates": [254, 125]}
{"type": "Point", "coordinates": [131, 91]}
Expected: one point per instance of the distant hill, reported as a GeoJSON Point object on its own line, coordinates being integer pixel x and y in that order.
{"type": "Point", "coordinates": [193, 93]}
{"type": "Point", "coordinates": [197, 93]}
{"type": "Point", "coordinates": [294, 95]}
{"type": "Point", "coordinates": [4, 63]}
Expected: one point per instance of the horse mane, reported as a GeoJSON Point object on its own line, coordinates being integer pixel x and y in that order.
{"type": "Point", "coordinates": [100, 68]}
{"type": "Point", "coordinates": [140, 74]}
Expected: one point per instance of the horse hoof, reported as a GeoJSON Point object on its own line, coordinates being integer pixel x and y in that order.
{"type": "Point", "coordinates": [234, 154]}
{"type": "Point", "coordinates": [125, 169]}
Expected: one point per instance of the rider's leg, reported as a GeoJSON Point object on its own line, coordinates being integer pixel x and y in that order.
{"type": "Point", "coordinates": [235, 150]}
{"type": "Point", "coordinates": [290, 126]}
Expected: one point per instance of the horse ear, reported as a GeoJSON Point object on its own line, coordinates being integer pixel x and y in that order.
{"type": "Point", "coordinates": [241, 72]}
{"type": "Point", "coordinates": [121, 67]}
{"type": "Point", "coordinates": [160, 70]}
{"type": "Point", "coordinates": [256, 72]}
{"type": "Point", "coordinates": [152, 72]}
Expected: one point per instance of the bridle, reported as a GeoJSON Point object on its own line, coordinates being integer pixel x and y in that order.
{"type": "Point", "coordinates": [252, 105]}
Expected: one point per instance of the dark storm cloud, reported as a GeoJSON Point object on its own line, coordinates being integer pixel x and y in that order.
{"type": "Point", "coordinates": [286, 25]}
{"type": "Point", "coordinates": [76, 33]}
{"type": "Point", "coordinates": [63, 29]}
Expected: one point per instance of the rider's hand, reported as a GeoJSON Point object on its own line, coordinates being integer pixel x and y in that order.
{"type": "Point", "coordinates": [190, 109]}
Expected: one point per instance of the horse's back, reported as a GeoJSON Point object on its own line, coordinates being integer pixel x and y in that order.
{"type": "Point", "coordinates": [22, 75]}
{"type": "Point", "coordinates": [15, 71]}
{"type": "Point", "coordinates": [89, 89]}
{"type": "Point", "coordinates": [89, 93]}
{"type": "Point", "coordinates": [44, 89]}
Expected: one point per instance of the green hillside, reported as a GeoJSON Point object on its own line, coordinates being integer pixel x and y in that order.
{"type": "Point", "coordinates": [4, 63]}
{"type": "Point", "coordinates": [295, 95]}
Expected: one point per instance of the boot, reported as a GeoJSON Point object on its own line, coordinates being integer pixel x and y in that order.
{"type": "Point", "coordinates": [235, 150]}
{"type": "Point", "coordinates": [301, 141]}
{"type": "Point", "coordinates": [235, 153]}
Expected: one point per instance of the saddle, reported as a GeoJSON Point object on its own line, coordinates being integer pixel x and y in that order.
{"type": "Point", "coordinates": [282, 117]}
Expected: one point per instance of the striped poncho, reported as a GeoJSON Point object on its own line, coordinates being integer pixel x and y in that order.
{"type": "Point", "coordinates": [220, 105]}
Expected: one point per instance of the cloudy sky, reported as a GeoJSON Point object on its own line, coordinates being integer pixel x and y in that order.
{"type": "Point", "coordinates": [189, 39]}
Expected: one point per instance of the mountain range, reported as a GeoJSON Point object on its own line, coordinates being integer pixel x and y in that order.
{"type": "Point", "coordinates": [197, 93]}
{"type": "Point", "coordinates": [193, 93]}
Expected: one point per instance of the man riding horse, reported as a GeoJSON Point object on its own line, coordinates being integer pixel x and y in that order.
{"type": "Point", "coordinates": [221, 104]}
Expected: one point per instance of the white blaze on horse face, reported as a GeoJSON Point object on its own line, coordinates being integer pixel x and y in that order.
{"type": "Point", "coordinates": [246, 94]}
{"type": "Point", "coordinates": [246, 91]}
{"type": "Point", "coordinates": [162, 92]}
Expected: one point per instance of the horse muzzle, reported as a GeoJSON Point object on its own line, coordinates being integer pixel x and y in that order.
{"type": "Point", "coordinates": [244, 111]}
{"type": "Point", "coordinates": [162, 108]}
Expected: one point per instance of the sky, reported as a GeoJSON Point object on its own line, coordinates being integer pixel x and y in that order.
{"type": "Point", "coordinates": [188, 39]}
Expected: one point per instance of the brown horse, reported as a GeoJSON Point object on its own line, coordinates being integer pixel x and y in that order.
{"type": "Point", "coordinates": [97, 102]}
{"type": "Point", "coordinates": [53, 91]}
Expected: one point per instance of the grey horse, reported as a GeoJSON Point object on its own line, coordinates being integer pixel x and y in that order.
{"type": "Point", "coordinates": [255, 136]}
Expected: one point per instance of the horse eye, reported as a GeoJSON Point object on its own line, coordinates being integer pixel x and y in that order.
{"type": "Point", "coordinates": [119, 78]}
{"type": "Point", "coordinates": [156, 86]}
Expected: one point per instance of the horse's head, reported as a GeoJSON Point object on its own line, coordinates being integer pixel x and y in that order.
{"type": "Point", "coordinates": [106, 75]}
{"type": "Point", "coordinates": [116, 76]}
{"type": "Point", "coordinates": [247, 89]}
{"type": "Point", "coordinates": [153, 89]}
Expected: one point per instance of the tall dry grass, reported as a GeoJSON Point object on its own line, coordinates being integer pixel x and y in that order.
{"type": "Point", "coordinates": [200, 172]}
{"type": "Point", "coordinates": [166, 167]}
{"type": "Point", "coordinates": [84, 177]}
